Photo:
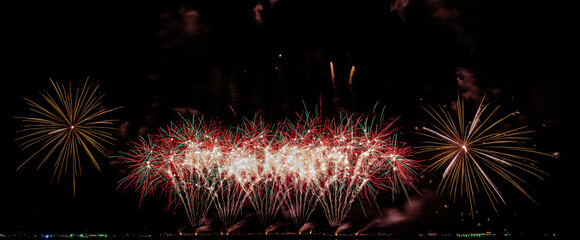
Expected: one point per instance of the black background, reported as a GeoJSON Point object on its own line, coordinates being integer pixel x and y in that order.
{"type": "Point", "coordinates": [525, 50]}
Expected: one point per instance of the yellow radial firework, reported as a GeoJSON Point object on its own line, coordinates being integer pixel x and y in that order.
{"type": "Point", "coordinates": [70, 124]}
{"type": "Point", "coordinates": [473, 154]}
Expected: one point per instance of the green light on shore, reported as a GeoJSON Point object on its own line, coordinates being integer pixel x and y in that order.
{"type": "Point", "coordinates": [470, 235]}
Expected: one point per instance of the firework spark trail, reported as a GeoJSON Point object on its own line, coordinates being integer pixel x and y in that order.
{"type": "Point", "coordinates": [71, 122]}
{"type": "Point", "coordinates": [342, 179]}
{"type": "Point", "coordinates": [194, 169]}
{"type": "Point", "coordinates": [300, 200]}
{"type": "Point", "coordinates": [470, 151]}
{"type": "Point", "coordinates": [293, 165]}
{"type": "Point", "coordinates": [262, 184]}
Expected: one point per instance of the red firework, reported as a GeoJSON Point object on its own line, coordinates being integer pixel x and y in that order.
{"type": "Point", "coordinates": [293, 165]}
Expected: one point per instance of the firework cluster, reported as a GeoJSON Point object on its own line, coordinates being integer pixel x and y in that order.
{"type": "Point", "coordinates": [291, 167]}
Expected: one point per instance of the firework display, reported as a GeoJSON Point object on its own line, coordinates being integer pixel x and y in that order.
{"type": "Point", "coordinates": [291, 166]}
{"type": "Point", "coordinates": [469, 152]}
{"type": "Point", "coordinates": [68, 124]}
{"type": "Point", "coordinates": [287, 169]}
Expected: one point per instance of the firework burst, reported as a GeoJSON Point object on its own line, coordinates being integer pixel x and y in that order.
{"type": "Point", "coordinates": [470, 152]}
{"type": "Point", "coordinates": [71, 123]}
{"type": "Point", "coordinates": [292, 165]}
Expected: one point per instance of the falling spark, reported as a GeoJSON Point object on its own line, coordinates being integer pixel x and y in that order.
{"type": "Point", "coordinates": [350, 76]}
{"type": "Point", "coordinates": [332, 74]}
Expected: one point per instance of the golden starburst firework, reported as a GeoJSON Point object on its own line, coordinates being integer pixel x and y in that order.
{"type": "Point", "coordinates": [68, 123]}
{"type": "Point", "coordinates": [473, 154]}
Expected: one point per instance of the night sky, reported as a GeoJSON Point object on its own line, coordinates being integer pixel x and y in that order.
{"type": "Point", "coordinates": [209, 57]}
